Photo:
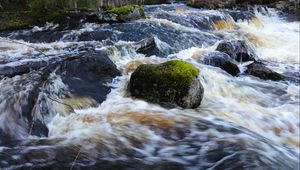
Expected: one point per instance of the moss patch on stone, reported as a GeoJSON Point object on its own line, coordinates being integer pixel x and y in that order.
{"type": "Point", "coordinates": [178, 71]}
{"type": "Point", "coordinates": [126, 9]}
{"type": "Point", "coordinates": [163, 82]}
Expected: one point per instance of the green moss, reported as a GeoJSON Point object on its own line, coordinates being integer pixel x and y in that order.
{"type": "Point", "coordinates": [14, 20]}
{"type": "Point", "coordinates": [52, 15]}
{"type": "Point", "coordinates": [21, 20]}
{"type": "Point", "coordinates": [189, 3]}
{"type": "Point", "coordinates": [171, 74]}
{"type": "Point", "coordinates": [126, 9]}
{"type": "Point", "coordinates": [176, 70]}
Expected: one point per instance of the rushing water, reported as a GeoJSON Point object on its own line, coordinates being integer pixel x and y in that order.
{"type": "Point", "coordinates": [243, 122]}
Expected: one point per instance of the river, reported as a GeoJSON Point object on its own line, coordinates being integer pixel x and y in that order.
{"type": "Point", "coordinates": [243, 122]}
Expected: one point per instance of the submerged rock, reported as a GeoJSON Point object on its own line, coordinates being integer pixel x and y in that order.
{"type": "Point", "coordinates": [171, 83]}
{"type": "Point", "coordinates": [121, 14]}
{"type": "Point", "coordinates": [261, 71]}
{"type": "Point", "coordinates": [238, 50]}
{"type": "Point", "coordinates": [223, 61]}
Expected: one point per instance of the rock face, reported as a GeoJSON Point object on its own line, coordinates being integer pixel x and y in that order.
{"type": "Point", "coordinates": [261, 71]}
{"type": "Point", "coordinates": [171, 83]}
{"type": "Point", "coordinates": [223, 61]}
{"type": "Point", "coordinates": [39, 92]}
{"type": "Point", "coordinates": [291, 7]}
{"type": "Point", "coordinates": [121, 14]}
{"type": "Point", "coordinates": [238, 50]}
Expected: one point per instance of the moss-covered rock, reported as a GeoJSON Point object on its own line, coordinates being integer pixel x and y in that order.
{"type": "Point", "coordinates": [126, 9]}
{"type": "Point", "coordinates": [120, 14]}
{"type": "Point", "coordinates": [171, 83]}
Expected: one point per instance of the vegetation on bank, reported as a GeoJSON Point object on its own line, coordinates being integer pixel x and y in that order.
{"type": "Point", "coordinates": [126, 9]}
{"type": "Point", "coordinates": [34, 12]}
{"type": "Point", "coordinates": [25, 19]}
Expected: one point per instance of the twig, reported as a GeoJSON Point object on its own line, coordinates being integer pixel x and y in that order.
{"type": "Point", "coordinates": [60, 102]}
{"type": "Point", "coordinates": [73, 164]}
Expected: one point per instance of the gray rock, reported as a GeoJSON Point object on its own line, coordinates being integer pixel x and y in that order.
{"type": "Point", "coordinates": [261, 71]}
{"type": "Point", "coordinates": [238, 50]}
{"type": "Point", "coordinates": [31, 96]}
{"type": "Point", "coordinates": [116, 15]}
{"type": "Point", "coordinates": [147, 46]}
{"type": "Point", "coordinates": [223, 61]}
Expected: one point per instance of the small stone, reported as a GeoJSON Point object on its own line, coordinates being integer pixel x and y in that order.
{"type": "Point", "coordinates": [223, 61]}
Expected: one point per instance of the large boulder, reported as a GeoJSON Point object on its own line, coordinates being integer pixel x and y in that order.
{"type": "Point", "coordinates": [171, 83]}
{"type": "Point", "coordinates": [261, 71]}
{"type": "Point", "coordinates": [33, 92]}
{"type": "Point", "coordinates": [238, 50]}
{"type": "Point", "coordinates": [120, 14]}
{"type": "Point", "coordinates": [223, 61]}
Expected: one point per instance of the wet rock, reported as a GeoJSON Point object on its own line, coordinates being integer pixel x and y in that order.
{"type": "Point", "coordinates": [85, 76]}
{"type": "Point", "coordinates": [171, 83]}
{"type": "Point", "coordinates": [291, 9]}
{"type": "Point", "coordinates": [31, 98]}
{"type": "Point", "coordinates": [223, 61]}
{"type": "Point", "coordinates": [121, 14]}
{"type": "Point", "coordinates": [147, 46]}
{"type": "Point", "coordinates": [241, 15]}
{"type": "Point", "coordinates": [261, 71]}
{"type": "Point", "coordinates": [102, 18]}
{"type": "Point", "coordinates": [238, 50]}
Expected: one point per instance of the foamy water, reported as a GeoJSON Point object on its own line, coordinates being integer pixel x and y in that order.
{"type": "Point", "coordinates": [267, 108]}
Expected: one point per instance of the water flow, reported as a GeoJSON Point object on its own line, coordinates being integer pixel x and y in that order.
{"type": "Point", "coordinates": [243, 121]}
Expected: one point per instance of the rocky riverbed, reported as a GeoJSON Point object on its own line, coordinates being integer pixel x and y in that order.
{"type": "Point", "coordinates": [66, 103]}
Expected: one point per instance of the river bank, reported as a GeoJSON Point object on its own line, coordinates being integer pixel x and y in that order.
{"type": "Point", "coordinates": [31, 12]}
